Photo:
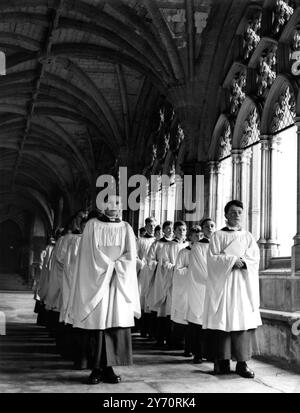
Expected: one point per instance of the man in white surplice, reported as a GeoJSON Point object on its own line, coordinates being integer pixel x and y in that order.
{"type": "Point", "coordinates": [231, 308]}
{"type": "Point", "coordinates": [106, 297]}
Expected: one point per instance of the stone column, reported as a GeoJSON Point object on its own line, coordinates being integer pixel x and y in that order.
{"type": "Point", "coordinates": [236, 173]}
{"type": "Point", "coordinates": [296, 246]}
{"type": "Point", "coordinates": [271, 246]}
{"type": "Point", "coordinates": [244, 161]}
{"type": "Point", "coordinates": [164, 202]}
{"type": "Point", "coordinates": [264, 189]}
{"type": "Point", "coordinates": [219, 206]}
{"type": "Point", "coordinates": [178, 198]}
{"type": "Point", "coordinates": [212, 190]}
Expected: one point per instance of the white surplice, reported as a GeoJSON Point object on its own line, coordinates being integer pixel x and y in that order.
{"type": "Point", "coordinates": [165, 270]}
{"type": "Point", "coordinates": [53, 295]}
{"type": "Point", "coordinates": [106, 292]}
{"type": "Point", "coordinates": [180, 287]}
{"type": "Point", "coordinates": [45, 271]}
{"type": "Point", "coordinates": [68, 278]}
{"type": "Point", "coordinates": [154, 286]}
{"type": "Point", "coordinates": [143, 248]}
{"type": "Point", "coordinates": [232, 295]}
{"type": "Point", "coordinates": [197, 278]}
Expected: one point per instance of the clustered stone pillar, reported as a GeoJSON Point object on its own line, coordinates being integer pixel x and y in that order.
{"type": "Point", "coordinates": [264, 139]}
{"type": "Point", "coordinates": [212, 189]}
{"type": "Point", "coordinates": [236, 173]}
{"type": "Point", "coordinates": [296, 246]}
{"type": "Point", "coordinates": [271, 245]}
{"type": "Point", "coordinates": [245, 157]}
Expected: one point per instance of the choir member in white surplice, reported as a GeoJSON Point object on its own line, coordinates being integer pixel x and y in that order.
{"type": "Point", "coordinates": [197, 277]}
{"type": "Point", "coordinates": [179, 302]}
{"type": "Point", "coordinates": [42, 285]}
{"type": "Point", "coordinates": [231, 309]}
{"type": "Point", "coordinates": [165, 272]}
{"type": "Point", "coordinates": [106, 297]}
{"type": "Point", "coordinates": [143, 246]}
{"type": "Point", "coordinates": [153, 258]}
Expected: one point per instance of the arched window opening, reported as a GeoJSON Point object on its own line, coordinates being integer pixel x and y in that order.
{"type": "Point", "coordinates": [286, 209]}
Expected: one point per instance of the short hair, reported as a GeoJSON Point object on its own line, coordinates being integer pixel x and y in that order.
{"type": "Point", "coordinates": [149, 219]}
{"type": "Point", "coordinates": [157, 228]}
{"type": "Point", "coordinates": [179, 224]}
{"type": "Point", "coordinates": [195, 229]}
{"type": "Point", "coordinates": [202, 222]}
{"type": "Point", "coordinates": [234, 202]}
{"type": "Point", "coordinates": [167, 224]}
{"type": "Point", "coordinates": [142, 230]}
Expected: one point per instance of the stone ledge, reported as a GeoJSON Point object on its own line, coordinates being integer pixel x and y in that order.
{"type": "Point", "coordinates": [284, 316]}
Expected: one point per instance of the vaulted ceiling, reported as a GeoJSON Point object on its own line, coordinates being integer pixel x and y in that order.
{"type": "Point", "coordinates": [83, 79]}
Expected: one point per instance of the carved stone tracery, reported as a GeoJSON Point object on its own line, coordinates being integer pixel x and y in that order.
{"type": "Point", "coordinates": [225, 143]}
{"type": "Point", "coordinates": [266, 70]}
{"type": "Point", "coordinates": [251, 36]}
{"type": "Point", "coordinates": [251, 129]}
{"type": "Point", "coordinates": [281, 15]}
{"type": "Point", "coordinates": [237, 92]}
{"type": "Point", "coordinates": [284, 111]}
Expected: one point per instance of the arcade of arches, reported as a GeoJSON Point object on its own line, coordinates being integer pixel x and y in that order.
{"type": "Point", "coordinates": [162, 87]}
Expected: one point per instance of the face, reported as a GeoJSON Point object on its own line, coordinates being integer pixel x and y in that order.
{"type": "Point", "coordinates": [195, 237]}
{"type": "Point", "coordinates": [180, 232]}
{"type": "Point", "coordinates": [234, 216]}
{"type": "Point", "coordinates": [113, 207]}
{"type": "Point", "coordinates": [79, 218]}
{"type": "Point", "coordinates": [168, 231]}
{"type": "Point", "coordinates": [158, 234]}
{"type": "Point", "coordinates": [208, 228]}
{"type": "Point", "coordinates": [150, 227]}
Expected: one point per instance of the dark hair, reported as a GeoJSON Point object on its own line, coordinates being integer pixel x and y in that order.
{"type": "Point", "coordinates": [142, 229]}
{"type": "Point", "coordinates": [157, 228]}
{"type": "Point", "coordinates": [179, 224]}
{"type": "Point", "coordinates": [149, 219]}
{"type": "Point", "coordinates": [94, 214]}
{"type": "Point", "coordinates": [167, 224]}
{"type": "Point", "coordinates": [205, 220]}
{"type": "Point", "coordinates": [234, 202]}
{"type": "Point", "coordinates": [195, 229]}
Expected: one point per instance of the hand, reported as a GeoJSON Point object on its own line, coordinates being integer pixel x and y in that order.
{"type": "Point", "coordinates": [239, 264]}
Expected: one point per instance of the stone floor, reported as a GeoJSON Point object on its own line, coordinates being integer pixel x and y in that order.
{"type": "Point", "coordinates": [29, 364]}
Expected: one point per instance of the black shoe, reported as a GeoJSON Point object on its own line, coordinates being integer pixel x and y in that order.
{"type": "Point", "coordinates": [243, 370]}
{"type": "Point", "coordinates": [197, 360]}
{"type": "Point", "coordinates": [95, 376]}
{"type": "Point", "coordinates": [109, 376]}
{"type": "Point", "coordinates": [222, 367]}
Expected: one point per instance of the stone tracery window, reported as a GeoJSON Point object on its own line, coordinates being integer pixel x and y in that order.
{"type": "Point", "coordinates": [284, 111]}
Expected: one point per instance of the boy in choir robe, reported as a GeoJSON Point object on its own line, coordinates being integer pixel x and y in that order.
{"type": "Point", "coordinates": [197, 276]}
{"type": "Point", "coordinates": [41, 287]}
{"type": "Point", "coordinates": [179, 295]}
{"type": "Point", "coordinates": [53, 299]}
{"type": "Point", "coordinates": [165, 271]}
{"type": "Point", "coordinates": [231, 309]}
{"type": "Point", "coordinates": [70, 340]}
{"type": "Point", "coordinates": [143, 246]}
{"type": "Point", "coordinates": [106, 297]}
{"type": "Point", "coordinates": [153, 258]}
